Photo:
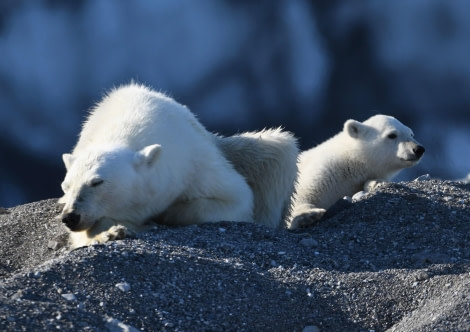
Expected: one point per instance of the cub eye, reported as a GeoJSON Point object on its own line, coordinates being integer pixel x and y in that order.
{"type": "Point", "coordinates": [392, 136]}
{"type": "Point", "coordinates": [96, 183]}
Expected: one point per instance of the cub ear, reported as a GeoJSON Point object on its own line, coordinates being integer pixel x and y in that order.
{"type": "Point", "coordinates": [68, 160]}
{"type": "Point", "coordinates": [147, 155]}
{"type": "Point", "coordinates": [354, 128]}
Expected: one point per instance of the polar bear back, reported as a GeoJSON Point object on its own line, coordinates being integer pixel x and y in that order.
{"type": "Point", "coordinates": [135, 116]}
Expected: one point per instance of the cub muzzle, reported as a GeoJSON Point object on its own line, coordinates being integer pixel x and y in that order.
{"type": "Point", "coordinates": [419, 151]}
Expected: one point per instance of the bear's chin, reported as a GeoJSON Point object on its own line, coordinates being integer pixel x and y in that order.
{"type": "Point", "coordinates": [84, 226]}
{"type": "Point", "coordinates": [413, 160]}
{"type": "Point", "coordinates": [79, 228]}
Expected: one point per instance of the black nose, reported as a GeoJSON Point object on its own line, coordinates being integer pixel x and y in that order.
{"type": "Point", "coordinates": [419, 150]}
{"type": "Point", "coordinates": [71, 220]}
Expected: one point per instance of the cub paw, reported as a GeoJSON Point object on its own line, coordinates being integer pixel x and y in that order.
{"type": "Point", "coordinates": [307, 218]}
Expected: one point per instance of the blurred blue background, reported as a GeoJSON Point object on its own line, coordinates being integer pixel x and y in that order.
{"type": "Point", "coordinates": [239, 65]}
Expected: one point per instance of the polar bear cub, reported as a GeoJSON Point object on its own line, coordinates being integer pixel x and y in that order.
{"type": "Point", "coordinates": [141, 156]}
{"type": "Point", "coordinates": [353, 160]}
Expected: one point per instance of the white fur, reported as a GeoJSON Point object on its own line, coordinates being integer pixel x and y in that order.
{"type": "Point", "coordinates": [141, 156]}
{"type": "Point", "coordinates": [268, 161]}
{"type": "Point", "coordinates": [357, 157]}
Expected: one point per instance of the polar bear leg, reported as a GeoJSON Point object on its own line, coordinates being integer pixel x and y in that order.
{"type": "Point", "coordinates": [305, 215]}
{"type": "Point", "coordinates": [225, 197]}
{"type": "Point", "coordinates": [202, 210]}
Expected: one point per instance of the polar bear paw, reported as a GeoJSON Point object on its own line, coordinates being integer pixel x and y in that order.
{"type": "Point", "coordinates": [93, 237]}
{"type": "Point", "coordinates": [307, 218]}
{"type": "Point", "coordinates": [114, 233]}
{"type": "Point", "coordinates": [373, 185]}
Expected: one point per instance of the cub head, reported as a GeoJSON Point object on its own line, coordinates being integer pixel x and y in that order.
{"type": "Point", "coordinates": [104, 183]}
{"type": "Point", "coordinates": [385, 143]}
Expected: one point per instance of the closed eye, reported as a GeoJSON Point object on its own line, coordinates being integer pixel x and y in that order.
{"type": "Point", "coordinates": [96, 183]}
{"type": "Point", "coordinates": [392, 136]}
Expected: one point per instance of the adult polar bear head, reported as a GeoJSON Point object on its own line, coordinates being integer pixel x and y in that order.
{"type": "Point", "coordinates": [386, 144]}
{"type": "Point", "coordinates": [97, 176]}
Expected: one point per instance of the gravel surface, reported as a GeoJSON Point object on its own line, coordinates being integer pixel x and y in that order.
{"type": "Point", "coordinates": [396, 260]}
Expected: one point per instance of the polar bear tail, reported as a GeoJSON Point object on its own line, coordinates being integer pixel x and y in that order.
{"type": "Point", "coordinates": [268, 161]}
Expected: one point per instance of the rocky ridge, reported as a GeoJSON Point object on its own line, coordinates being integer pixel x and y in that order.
{"type": "Point", "coordinates": [398, 259]}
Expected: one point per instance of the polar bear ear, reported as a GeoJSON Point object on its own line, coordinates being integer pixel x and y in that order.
{"type": "Point", "coordinates": [68, 159]}
{"type": "Point", "coordinates": [354, 128]}
{"type": "Point", "coordinates": [147, 155]}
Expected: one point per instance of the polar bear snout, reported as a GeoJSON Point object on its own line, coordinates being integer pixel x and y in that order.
{"type": "Point", "coordinates": [410, 153]}
{"type": "Point", "coordinates": [71, 220]}
{"type": "Point", "coordinates": [419, 151]}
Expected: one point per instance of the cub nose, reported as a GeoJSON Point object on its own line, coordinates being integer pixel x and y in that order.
{"type": "Point", "coordinates": [71, 220]}
{"type": "Point", "coordinates": [419, 150]}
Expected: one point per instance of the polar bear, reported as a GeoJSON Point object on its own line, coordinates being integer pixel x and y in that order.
{"type": "Point", "coordinates": [358, 158]}
{"type": "Point", "coordinates": [141, 156]}
{"type": "Point", "coordinates": [268, 161]}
